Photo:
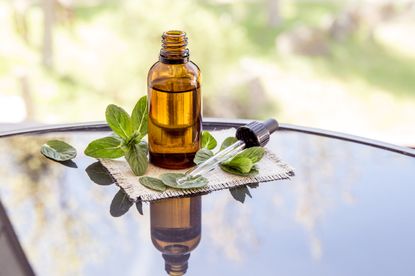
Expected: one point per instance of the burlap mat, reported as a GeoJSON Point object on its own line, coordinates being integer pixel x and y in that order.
{"type": "Point", "coordinates": [270, 168]}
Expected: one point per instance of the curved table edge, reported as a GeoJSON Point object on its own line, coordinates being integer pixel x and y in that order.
{"type": "Point", "coordinates": [219, 123]}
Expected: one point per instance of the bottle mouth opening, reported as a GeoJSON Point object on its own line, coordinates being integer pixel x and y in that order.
{"type": "Point", "coordinates": [173, 47]}
{"type": "Point", "coordinates": [175, 33]}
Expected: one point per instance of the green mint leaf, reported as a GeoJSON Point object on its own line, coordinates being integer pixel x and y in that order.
{"type": "Point", "coordinates": [152, 183]}
{"type": "Point", "coordinates": [240, 193]}
{"type": "Point", "coordinates": [194, 182]}
{"type": "Point", "coordinates": [227, 142]}
{"type": "Point", "coordinates": [170, 179]}
{"type": "Point", "coordinates": [208, 141]}
{"type": "Point", "coordinates": [252, 172]}
{"type": "Point", "coordinates": [58, 150]}
{"type": "Point", "coordinates": [107, 147]}
{"type": "Point", "coordinates": [139, 117]}
{"type": "Point", "coordinates": [119, 121]}
{"type": "Point", "coordinates": [143, 146]}
{"type": "Point", "coordinates": [243, 162]}
{"type": "Point", "coordinates": [137, 159]}
{"type": "Point", "coordinates": [240, 163]}
{"type": "Point", "coordinates": [253, 153]}
{"type": "Point", "coordinates": [202, 155]}
{"type": "Point", "coordinates": [120, 204]}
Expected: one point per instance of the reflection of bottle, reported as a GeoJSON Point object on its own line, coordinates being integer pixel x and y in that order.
{"type": "Point", "coordinates": [175, 107]}
{"type": "Point", "coordinates": [176, 230]}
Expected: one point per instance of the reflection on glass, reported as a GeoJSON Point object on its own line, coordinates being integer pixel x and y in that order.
{"type": "Point", "coordinates": [176, 230]}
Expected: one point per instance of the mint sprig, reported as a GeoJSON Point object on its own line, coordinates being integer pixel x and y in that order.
{"type": "Point", "coordinates": [127, 138]}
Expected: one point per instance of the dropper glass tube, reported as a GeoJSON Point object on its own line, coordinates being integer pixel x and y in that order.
{"type": "Point", "coordinates": [211, 163]}
{"type": "Point", "coordinates": [250, 135]}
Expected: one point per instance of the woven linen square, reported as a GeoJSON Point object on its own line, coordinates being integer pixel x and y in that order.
{"type": "Point", "coordinates": [270, 168]}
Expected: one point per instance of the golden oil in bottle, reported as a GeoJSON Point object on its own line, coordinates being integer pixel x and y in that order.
{"type": "Point", "coordinates": [175, 108]}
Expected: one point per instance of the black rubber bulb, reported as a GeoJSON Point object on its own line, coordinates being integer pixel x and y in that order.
{"type": "Point", "coordinates": [257, 133]}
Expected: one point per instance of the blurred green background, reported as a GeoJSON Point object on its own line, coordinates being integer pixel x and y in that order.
{"type": "Point", "coordinates": [341, 65]}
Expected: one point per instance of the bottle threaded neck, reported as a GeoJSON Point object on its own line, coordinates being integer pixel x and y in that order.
{"type": "Point", "coordinates": [174, 47]}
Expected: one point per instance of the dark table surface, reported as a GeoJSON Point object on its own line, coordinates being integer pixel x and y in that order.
{"type": "Point", "coordinates": [349, 210]}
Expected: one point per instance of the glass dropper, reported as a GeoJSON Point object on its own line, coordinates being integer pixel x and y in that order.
{"type": "Point", "coordinates": [250, 135]}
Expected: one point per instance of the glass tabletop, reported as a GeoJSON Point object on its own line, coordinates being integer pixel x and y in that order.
{"type": "Point", "coordinates": [347, 211]}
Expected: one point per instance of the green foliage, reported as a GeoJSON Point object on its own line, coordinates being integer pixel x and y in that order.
{"type": "Point", "coordinates": [359, 59]}
{"type": "Point", "coordinates": [228, 38]}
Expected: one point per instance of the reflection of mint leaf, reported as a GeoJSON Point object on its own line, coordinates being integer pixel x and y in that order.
{"type": "Point", "coordinates": [202, 155]}
{"type": "Point", "coordinates": [240, 193]}
{"type": "Point", "coordinates": [139, 117]}
{"type": "Point", "coordinates": [137, 159]}
{"type": "Point", "coordinates": [120, 204]}
{"type": "Point", "coordinates": [58, 150]}
{"type": "Point", "coordinates": [107, 147]}
{"type": "Point", "coordinates": [153, 183]}
{"type": "Point", "coordinates": [99, 174]}
{"type": "Point", "coordinates": [119, 121]}
{"type": "Point", "coordinates": [227, 142]}
{"type": "Point", "coordinates": [208, 141]}
{"type": "Point", "coordinates": [139, 207]}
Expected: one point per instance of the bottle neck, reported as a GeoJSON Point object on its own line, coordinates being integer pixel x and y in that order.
{"type": "Point", "coordinates": [176, 265]}
{"type": "Point", "coordinates": [174, 49]}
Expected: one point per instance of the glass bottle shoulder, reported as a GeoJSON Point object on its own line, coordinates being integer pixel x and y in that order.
{"type": "Point", "coordinates": [174, 70]}
{"type": "Point", "coordinates": [186, 75]}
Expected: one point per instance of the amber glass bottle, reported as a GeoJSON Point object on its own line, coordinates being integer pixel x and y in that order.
{"type": "Point", "coordinates": [176, 230]}
{"type": "Point", "coordinates": [175, 108]}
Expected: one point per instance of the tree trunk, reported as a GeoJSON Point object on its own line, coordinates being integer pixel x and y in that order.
{"type": "Point", "coordinates": [274, 16]}
{"type": "Point", "coordinates": [48, 21]}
